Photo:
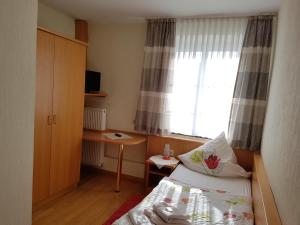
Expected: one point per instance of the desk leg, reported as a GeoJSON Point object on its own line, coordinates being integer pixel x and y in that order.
{"type": "Point", "coordinates": [119, 169]}
{"type": "Point", "coordinates": [147, 175]}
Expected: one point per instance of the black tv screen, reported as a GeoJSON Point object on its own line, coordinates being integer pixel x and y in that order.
{"type": "Point", "coordinates": [92, 81]}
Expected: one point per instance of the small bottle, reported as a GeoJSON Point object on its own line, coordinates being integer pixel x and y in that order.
{"type": "Point", "coordinates": [166, 154]}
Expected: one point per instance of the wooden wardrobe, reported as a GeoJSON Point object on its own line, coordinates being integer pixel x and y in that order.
{"type": "Point", "coordinates": [61, 64]}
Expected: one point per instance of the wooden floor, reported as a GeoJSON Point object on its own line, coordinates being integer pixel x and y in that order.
{"type": "Point", "coordinates": [91, 203]}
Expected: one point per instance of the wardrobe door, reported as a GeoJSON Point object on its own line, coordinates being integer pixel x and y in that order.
{"type": "Point", "coordinates": [43, 115]}
{"type": "Point", "coordinates": [68, 97]}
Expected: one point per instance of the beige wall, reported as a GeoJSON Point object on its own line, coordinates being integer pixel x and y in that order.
{"type": "Point", "coordinates": [116, 50]}
{"type": "Point", "coordinates": [55, 20]}
{"type": "Point", "coordinates": [18, 20]}
{"type": "Point", "coordinates": [281, 142]}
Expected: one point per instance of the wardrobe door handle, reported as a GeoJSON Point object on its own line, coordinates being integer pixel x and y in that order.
{"type": "Point", "coordinates": [49, 120]}
{"type": "Point", "coordinates": [54, 119]}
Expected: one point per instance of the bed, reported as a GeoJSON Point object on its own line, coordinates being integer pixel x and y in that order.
{"type": "Point", "coordinates": [207, 199]}
{"type": "Point", "coordinates": [237, 186]}
{"type": "Point", "coordinates": [237, 201]}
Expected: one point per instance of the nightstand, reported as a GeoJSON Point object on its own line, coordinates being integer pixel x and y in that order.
{"type": "Point", "coordinates": [153, 174]}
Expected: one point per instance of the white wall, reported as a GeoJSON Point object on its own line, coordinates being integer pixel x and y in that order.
{"type": "Point", "coordinates": [55, 20]}
{"type": "Point", "coordinates": [281, 142]}
{"type": "Point", "coordinates": [116, 50]}
{"type": "Point", "coordinates": [18, 20]}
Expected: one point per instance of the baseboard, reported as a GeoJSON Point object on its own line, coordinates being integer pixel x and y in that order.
{"type": "Point", "coordinates": [102, 171]}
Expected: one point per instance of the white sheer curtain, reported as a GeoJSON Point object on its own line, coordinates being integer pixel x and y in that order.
{"type": "Point", "coordinates": [206, 63]}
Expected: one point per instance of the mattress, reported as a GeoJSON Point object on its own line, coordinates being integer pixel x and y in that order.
{"type": "Point", "coordinates": [202, 206]}
{"type": "Point", "coordinates": [236, 186]}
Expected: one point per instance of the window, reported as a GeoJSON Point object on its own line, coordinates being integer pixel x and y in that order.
{"type": "Point", "coordinates": [205, 69]}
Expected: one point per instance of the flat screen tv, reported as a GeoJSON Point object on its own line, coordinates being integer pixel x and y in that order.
{"type": "Point", "coordinates": [92, 81]}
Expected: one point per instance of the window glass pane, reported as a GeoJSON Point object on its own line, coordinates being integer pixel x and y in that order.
{"type": "Point", "coordinates": [206, 63]}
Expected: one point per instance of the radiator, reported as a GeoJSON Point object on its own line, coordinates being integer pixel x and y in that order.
{"type": "Point", "coordinates": [93, 152]}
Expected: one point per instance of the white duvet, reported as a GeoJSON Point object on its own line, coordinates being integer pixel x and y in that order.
{"type": "Point", "coordinates": [204, 206]}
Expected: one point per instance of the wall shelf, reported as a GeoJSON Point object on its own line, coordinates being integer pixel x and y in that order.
{"type": "Point", "coordinates": [101, 94]}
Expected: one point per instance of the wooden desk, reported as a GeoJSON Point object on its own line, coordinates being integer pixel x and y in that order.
{"type": "Point", "coordinates": [97, 136]}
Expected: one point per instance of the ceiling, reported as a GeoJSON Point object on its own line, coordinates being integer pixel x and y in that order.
{"type": "Point", "coordinates": [134, 10]}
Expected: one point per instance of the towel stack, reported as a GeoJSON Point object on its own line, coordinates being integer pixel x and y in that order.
{"type": "Point", "coordinates": [161, 214]}
{"type": "Point", "coordinates": [171, 214]}
{"type": "Point", "coordinates": [138, 218]}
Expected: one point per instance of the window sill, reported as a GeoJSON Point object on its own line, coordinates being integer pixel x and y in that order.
{"type": "Point", "coordinates": [188, 138]}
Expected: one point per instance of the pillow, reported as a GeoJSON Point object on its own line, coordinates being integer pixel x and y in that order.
{"type": "Point", "coordinates": [215, 158]}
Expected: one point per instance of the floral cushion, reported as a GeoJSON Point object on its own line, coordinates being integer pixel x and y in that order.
{"type": "Point", "coordinates": [215, 158]}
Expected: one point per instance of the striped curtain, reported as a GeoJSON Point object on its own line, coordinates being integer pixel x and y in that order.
{"type": "Point", "coordinates": [152, 114]}
{"type": "Point", "coordinates": [250, 93]}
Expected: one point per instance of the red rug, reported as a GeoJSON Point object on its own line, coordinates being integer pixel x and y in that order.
{"type": "Point", "coordinates": [129, 204]}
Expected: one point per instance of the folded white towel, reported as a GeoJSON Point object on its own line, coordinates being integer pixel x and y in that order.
{"type": "Point", "coordinates": [154, 218]}
{"type": "Point", "coordinates": [138, 218]}
{"type": "Point", "coordinates": [171, 214]}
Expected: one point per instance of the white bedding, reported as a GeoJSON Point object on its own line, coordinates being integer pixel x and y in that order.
{"type": "Point", "coordinates": [207, 199]}
{"type": "Point", "coordinates": [203, 206]}
{"type": "Point", "coordinates": [237, 186]}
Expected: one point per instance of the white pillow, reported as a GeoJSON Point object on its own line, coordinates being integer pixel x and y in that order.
{"type": "Point", "coordinates": [215, 158]}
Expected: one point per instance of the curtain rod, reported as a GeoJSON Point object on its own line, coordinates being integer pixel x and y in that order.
{"type": "Point", "coordinates": [216, 16]}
